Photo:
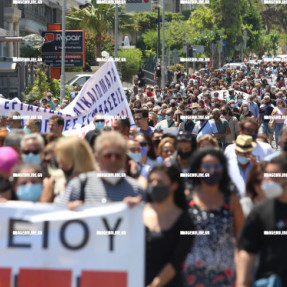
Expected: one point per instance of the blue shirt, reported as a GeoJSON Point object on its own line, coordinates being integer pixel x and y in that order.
{"type": "Point", "coordinates": [254, 109]}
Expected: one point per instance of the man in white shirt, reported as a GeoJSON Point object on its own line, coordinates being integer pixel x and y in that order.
{"type": "Point", "coordinates": [249, 127]}
{"type": "Point", "coordinates": [204, 126]}
{"type": "Point", "coordinates": [240, 166]}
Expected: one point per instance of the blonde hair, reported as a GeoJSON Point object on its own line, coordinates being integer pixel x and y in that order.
{"type": "Point", "coordinates": [165, 141]}
{"type": "Point", "coordinates": [110, 138]}
{"type": "Point", "coordinates": [77, 153]}
{"type": "Point", "coordinates": [209, 138]}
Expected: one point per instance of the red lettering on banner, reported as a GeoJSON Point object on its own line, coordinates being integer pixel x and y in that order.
{"type": "Point", "coordinates": [5, 277]}
{"type": "Point", "coordinates": [44, 278]}
{"type": "Point", "coordinates": [104, 279]}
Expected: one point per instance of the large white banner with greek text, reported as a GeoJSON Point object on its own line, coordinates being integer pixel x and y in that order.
{"type": "Point", "coordinates": [103, 93]}
{"type": "Point", "coordinates": [42, 245]}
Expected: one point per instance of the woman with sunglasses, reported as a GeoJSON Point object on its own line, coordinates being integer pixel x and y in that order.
{"type": "Point", "coordinates": [215, 211]}
{"type": "Point", "coordinates": [280, 110]}
{"type": "Point", "coordinates": [254, 189]}
{"type": "Point", "coordinates": [165, 216]}
{"type": "Point", "coordinates": [148, 155]}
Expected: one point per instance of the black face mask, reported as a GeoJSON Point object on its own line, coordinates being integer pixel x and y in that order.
{"type": "Point", "coordinates": [151, 123]}
{"type": "Point", "coordinates": [173, 105]}
{"type": "Point", "coordinates": [158, 193]}
{"type": "Point", "coordinates": [156, 142]}
{"type": "Point", "coordinates": [194, 100]}
{"type": "Point", "coordinates": [213, 179]}
{"type": "Point", "coordinates": [5, 184]}
{"type": "Point", "coordinates": [224, 113]}
{"type": "Point", "coordinates": [68, 172]}
{"type": "Point", "coordinates": [184, 155]}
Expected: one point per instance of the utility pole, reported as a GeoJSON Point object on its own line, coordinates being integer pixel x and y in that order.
{"type": "Point", "coordinates": [116, 30]}
{"type": "Point", "coordinates": [158, 34]}
{"type": "Point", "coordinates": [63, 84]}
{"type": "Point", "coordinates": [163, 65]}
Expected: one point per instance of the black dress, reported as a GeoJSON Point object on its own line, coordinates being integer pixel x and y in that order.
{"type": "Point", "coordinates": [168, 246]}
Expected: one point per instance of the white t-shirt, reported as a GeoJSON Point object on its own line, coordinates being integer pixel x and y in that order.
{"type": "Point", "coordinates": [210, 128]}
{"type": "Point", "coordinates": [260, 151]}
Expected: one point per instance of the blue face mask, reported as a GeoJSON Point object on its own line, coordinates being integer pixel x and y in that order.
{"type": "Point", "coordinates": [135, 156]}
{"type": "Point", "coordinates": [239, 100]}
{"type": "Point", "coordinates": [29, 192]}
{"type": "Point", "coordinates": [34, 158]}
{"type": "Point", "coordinates": [242, 159]}
{"type": "Point", "coordinates": [9, 128]}
{"type": "Point", "coordinates": [184, 120]}
{"type": "Point", "coordinates": [167, 118]}
{"type": "Point", "coordinates": [27, 130]}
{"type": "Point", "coordinates": [99, 125]}
{"type": "Point", "coordinates": [143, 151]}
{"type": "Point", "coordinates": [159, 118]}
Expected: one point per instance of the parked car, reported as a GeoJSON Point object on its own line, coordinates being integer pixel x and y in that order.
{"type": "Point", "coordinates": [233, 66]}
{"type": "Point", "coordinates": [79, 79]}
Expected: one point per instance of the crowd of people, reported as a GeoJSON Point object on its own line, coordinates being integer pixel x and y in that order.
{"type": "Point", "coordinates": [206, 156]}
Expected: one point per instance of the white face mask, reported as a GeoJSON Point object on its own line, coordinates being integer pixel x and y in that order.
{"type": "Point", "coordinates": [271, 189]}
{"type": "Point", "coordinates": [110, 179]}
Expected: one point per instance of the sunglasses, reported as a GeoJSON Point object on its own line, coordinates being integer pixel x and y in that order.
{"type": "Point", "coordinates": [208, 166]}
{"type": "Point", "coordinates": [138, 119]}
{"type": "Point", "coordinates": [117, 156]}
{"type": "Point", "coordinates": [143, 144]}
{"type": "Point", "coordinates": [31, 151]}
{"type": "Point", "coordinates": [250, 130]}
{"type": "Point", "coordinates": [99, 121]}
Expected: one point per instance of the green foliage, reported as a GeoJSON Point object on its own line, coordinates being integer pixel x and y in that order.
{"type": "Point", "coordinates": [271, 42]}
{"type": "Point", "coordinates": [144, 21]}
{"type": "Point", "coordinates": [133, 62]}
{"type": "Point", "coordinates": [174, 67]}
{"type": "Point", "coordinates": [29, 52]}
{"type": "Point", "coordinates": [41, 84]}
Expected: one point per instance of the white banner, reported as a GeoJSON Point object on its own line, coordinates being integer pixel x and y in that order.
{"type": "Point", "coordinates": [224, 94]}
{"type": "Point", "coordinates": [102, 93]}
{"type": "Point", "coordinates": [104, 245]}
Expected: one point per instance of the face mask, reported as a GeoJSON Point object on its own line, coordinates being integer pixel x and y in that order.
{"type": "Point", "coordinates": [254, 93]}
{"type": "Point", "coordinates": [247, 88]}
{"type": "Point", "coordinates": [112, 180]}
{"type": "Point", "coordinates": [267, 103]}
{"type": "Point", "coordinates": [68, 172]}
{"type": "Point", "coordinates": [271, 189]}
{"type": "Point", "coordinates": [232, 105]}
{"type": "Point", "coordinates": [99, 125]}
{"type": "Point", "coordinates": [214, 178]}
{"type": "Point", "coordinates": [239, 100]}
{"type": "Point", "coordinates": [242, 159]}
{"type": "Point", "coordinates": [9, 128]}
{"type": "Point", "coordinates": [285, 146]}
{"type": "Point", "coordinates": [184, 155]}
{"type": "Point", "coordinates": [158, 94]}
{"type": "Point", "coordinates": [245, 108]}
{"type": "Point", "coordinates": [172, 105]}
{"type": "Point", "coordinates": [34, 158]}
{"type": "Point", "coordinates": [184, 120]}
{"type": "Point", "coordinates": [159, 118]}
{"type": "Point", "coordinates": [135, 156]}
{"type": "Point", "coordinates": [156, 142]}
{"type": "Point", "coordinates": [148, 91]}
{"type": "Point", "coordinates": [140, 93]}
{"type": "Point", "coordinates": [167, 118]}
{"type": "Point", "coordinates": [143, 151]}
{"type": "Point", "coordinates": [224, 113]}
{"type": "Point", "coordinates": [29, 192]}
{"type": "Point", "coordinates": [27, 130]}
{"type": "Point", "coordinates": [158, 193]}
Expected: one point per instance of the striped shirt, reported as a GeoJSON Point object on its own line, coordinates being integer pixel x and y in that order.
{"type": "Point", "coordinates": [98, 190]}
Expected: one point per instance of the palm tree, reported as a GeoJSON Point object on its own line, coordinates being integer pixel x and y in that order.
{"type": "Point", "coordinates": [96, 19]}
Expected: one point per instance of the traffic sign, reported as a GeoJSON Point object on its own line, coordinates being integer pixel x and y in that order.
{"type": "Point", "coordinates": [71, 60]}
{"type": "Point", "coordinates": [53, 42]}
{"type": "Point", "coordinates": [198, 49]}
{"type": "Point", "coordinates": [138, 5]}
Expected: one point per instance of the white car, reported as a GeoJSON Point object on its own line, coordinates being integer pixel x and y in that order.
{"type": "Point", "coordinates": [79, 79]}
